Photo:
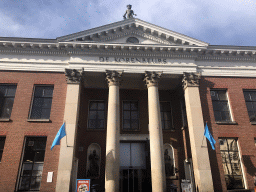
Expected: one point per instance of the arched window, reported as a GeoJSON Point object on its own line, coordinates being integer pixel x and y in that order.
{"type": "Point", "coordinates": [93, 161]}
{"type": "Point", "coordinates": [169, 160]}
{"type": "Point", "coordinates": [132, 40]}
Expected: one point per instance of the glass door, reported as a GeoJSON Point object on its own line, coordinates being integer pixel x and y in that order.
{"type": "Point", "coordinates": [133, 172]}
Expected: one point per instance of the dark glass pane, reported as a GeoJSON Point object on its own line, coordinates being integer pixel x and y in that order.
{"type": "Point", "coordinates": [47, 92]}
{"type": "Point", "coordinates": [7, 108]}
{"type": "Point", "coordinates": [92, 123]}
{"type": "Point", "coordinates": [37, 173]}
{"type": "Point", "coordinates": [253, 96]}
{"type": "Point", "coordinates": [39, 144]}
{"type": "Point", "coordinates": [162, 116]}
{"type": "Point", "coordinates": [1, 153]}
{"type": "Point", "coordinates": [100, 124]}
{"type": "Point", "coordinates": [163, 124]}
{"type": "Point", "coordinates": [216, 106]}
{"type": "Point", "coordinates": [24, 183]}
{"type": "Point", "coordinates": [36, 113]}
{"type": "Point", "coordinates": [47, 102]}
{"type": "Point", "coordinates": [38, 102]}
{"type": "Point", "coordinates": [134, 115]}
{"type": "Point", "coordinates": [134, 124]}
{"type": "Point", "coordinates": [167, 116]}
{"type": "Point", "coordinates": [39, 156]}
{"type": "Point", "coordinates": [166, 106]}
{"type": "Point", "coordinates": [93, 106]}
{"type": "Point", "coordinates": [29, 155]}
{"type": "Point", "coordinates": [126, 114]}
{"type": "Point", "coordinates": [222, 95]}
{"type": "Point", "coordinates": [254, 106]}
{"type": "Point", "coordinates": [45, 113]}
{"type": "Point", "coordinates": [214, 95]}
{"type": "Point", "coordinates": [92, 114]}
{"type": "Point", "coordinates": [38, 167]}
{"type": "Point", "coordinates": [101, 106]}
{"type": "Point", "coordinates": [217, 115]}
{"type": "Point", "coordinates": [100, 114]}
{"type": "Point", "coordinates": [11, 91]}
{"type": "Point", "coordinates": [126, 124]}
{"type": "Point", "coordinates": [249, 106]}
{"type": "Point", "coordinates": [247, 96]}
{"type": "Point", "coordinates": [39, 91]}
{"type": "Point", "coordinates": [167, 125]}
{"type": "Point", "coordinates": [225, 116]}
{"type": "Point", "coordinates": [134, 106]}
{"type": "Point", "coordinates": [126, 105]}
{"type": "Point", "coordinates": [252, 116]}
{"type": "Point", "coordinates": [3, 90]}
{"type": "Point", "coordinates": [35, 183]}
{"type": "Point", "coordinates": [224, 106]}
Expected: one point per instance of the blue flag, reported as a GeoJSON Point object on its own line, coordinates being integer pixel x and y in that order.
{"type": "Point", "coordinates": [61, 133]}
{"type": "Point", "coordinates": [209, 136]}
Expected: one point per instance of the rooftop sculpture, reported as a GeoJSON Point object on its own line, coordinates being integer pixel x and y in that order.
{"type": "Point", "coordinates": [129, 12]}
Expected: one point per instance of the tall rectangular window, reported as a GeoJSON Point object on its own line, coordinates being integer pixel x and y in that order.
{"type": "Point", "coordinates": [2, 141]}
{"type": "Point", "coordinates": [130, 115]}
{"type": "Point", "coordinates": [42, 102]}
{"type": "Point", "coordinates": [220, 105]}
{"type": "Point", "coordinates": [166, 115]}
{"type": "Point", "coordinates": [96, 118]}
{"type": "Point", "coordinates": [32, 164]}
{"type": "Point", "coordinates": [7, 94]}
{"type": "Point", "coordinates": [231, 163]}
{"type": "Point", "coordinates": [250, 99]}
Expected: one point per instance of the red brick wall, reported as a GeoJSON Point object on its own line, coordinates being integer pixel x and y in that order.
{"type": "Point", "coordinates": [243, 130]}
{"type": "Point", "coordinates": [18, 127]}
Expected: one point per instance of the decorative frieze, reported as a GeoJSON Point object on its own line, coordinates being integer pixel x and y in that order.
{"type": "Point", "coordinates": [190, 80]}
{"type": "Point", "coordinates": [113, 77]}
{"type": "Point", "coordinates": [152, 78]}
{"type": "Point", "coordinates": [74, 76]}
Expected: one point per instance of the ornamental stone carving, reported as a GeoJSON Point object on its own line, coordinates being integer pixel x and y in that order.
{"type": "Point", "coordinates": [74, 76]}
{"type": "Point", "coordinates": [190, 80]}
{"type": "Point", "coordinates": [113, 77]}
{"type": "Point", "coordinates": [152, 78]}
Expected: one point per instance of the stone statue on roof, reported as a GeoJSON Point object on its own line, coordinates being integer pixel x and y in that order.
{"type": "Point", "coordinates": [129, 12]}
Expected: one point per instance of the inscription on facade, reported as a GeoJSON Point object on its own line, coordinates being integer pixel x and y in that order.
{"type": "Point", "coordinates": [132, 60]}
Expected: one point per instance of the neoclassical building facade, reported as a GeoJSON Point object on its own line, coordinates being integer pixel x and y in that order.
{"type": "Point", "coordinates": [135, 99]}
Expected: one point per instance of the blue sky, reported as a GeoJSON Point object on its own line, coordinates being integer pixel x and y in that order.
{"type": "Point", "coordinates": [218, 22]}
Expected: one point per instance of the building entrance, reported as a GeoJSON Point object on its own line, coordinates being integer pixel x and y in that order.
{"type": "Point", "coordinates": [134, 176]}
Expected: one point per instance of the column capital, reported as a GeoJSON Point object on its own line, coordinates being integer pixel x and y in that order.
{"type": "Point", "coordinates": [74, 76]}
{"type": "Point", "coordinates": [113, 77]}
{"type": "Point", "coordinates": [190, 80]}
{"type": "Point", "coordinates": [152, 78]}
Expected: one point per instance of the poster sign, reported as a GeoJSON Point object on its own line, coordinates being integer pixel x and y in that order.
{"type": "Point", "coordinates": [83, 185]}
{"type": "Point", "coordinates": [186, 187]}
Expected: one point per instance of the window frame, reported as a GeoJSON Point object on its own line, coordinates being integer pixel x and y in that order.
{"type": "Point", "coordinates": [2, 138]}
{"type": "Point", "coordinates": [250, 90]}
{"type": "Point", "coordinates": [239, 159]}
{"type": "Point", "coordinates": [22, 162]}
{"type": "Point", "coordinates": [6, 84]}
{"type": "Point", "coordinates": [32, 102]}
{"type": "Point", "coordinates": [105, 115]}
{"type": "Point", "coordinates": [231, 120]}
{"type": "Point", "coordinates": [125, 129]}
{"type": "Point", "coordinates": [172, 128]}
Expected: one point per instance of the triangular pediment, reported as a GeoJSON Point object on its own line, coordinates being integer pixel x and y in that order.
{"type": "Point", "coordinates": [144, 32]}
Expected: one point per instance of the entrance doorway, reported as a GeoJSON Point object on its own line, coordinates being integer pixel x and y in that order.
{"type": "Point", "coordinates": [134, 175]}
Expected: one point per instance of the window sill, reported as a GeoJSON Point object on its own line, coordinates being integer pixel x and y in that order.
{"type": "Point", "coordinates": [253, 122]}
{"type": "Point", "coordinates": [40, 120]}
{"type": "Point", "coordinates": [226, 122]}
{"type": "Point", "coordinates": [5, 119]}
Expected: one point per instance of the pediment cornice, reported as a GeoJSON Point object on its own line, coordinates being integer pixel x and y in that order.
{"type": "Point", "coordinates": [106, 31]}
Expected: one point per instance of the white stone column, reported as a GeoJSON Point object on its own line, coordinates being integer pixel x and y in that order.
{"type": "Point", "coordinates": [67, 146]}
{"type": "Point", "coordinates": [113, 133]}
{"type": "Point", "coordinates": [200, 156]}
{"type": "Point", "coordinates": [155, 133]}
